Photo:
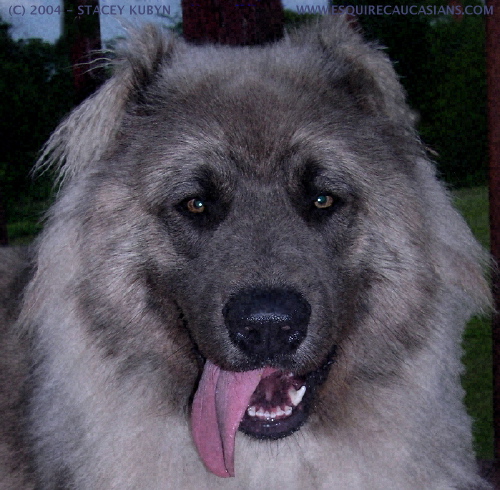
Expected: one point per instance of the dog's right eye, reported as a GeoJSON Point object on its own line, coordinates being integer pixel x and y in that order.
{"type": "Point", "coordinates": [324, 201]}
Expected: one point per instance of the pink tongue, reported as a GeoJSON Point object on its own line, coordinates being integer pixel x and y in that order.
{"type": "Point", "coordinates": [218, 407]}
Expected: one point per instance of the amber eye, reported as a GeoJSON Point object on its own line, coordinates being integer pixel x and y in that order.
{"type": "Point", "coordinates": [195, 206]}
{"type": "Point", "coordinates": [323, 201]}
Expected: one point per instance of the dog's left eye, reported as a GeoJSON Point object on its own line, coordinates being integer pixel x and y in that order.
{"type": "Point", "coordinates": [324, 201]}
{"type": "Point", "coordinates": [196, 206]}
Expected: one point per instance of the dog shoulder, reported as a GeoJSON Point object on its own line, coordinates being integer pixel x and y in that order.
{"type": "Point", "coordinates": [14, 275]}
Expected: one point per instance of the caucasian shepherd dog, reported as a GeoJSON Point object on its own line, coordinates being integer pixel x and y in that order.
{"type": "Point", "coordinates": [251, 279]}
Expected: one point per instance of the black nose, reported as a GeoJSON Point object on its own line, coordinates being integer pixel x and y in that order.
{"type": "Point", "coordinates": [267, 323]}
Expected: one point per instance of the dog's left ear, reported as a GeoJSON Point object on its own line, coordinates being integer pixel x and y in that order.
{"type": "Point", "coordinates": [86, 134]}
{"type": "Point", "coordinates": [362, 68]}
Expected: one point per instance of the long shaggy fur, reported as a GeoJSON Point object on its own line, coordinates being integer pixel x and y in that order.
{"type": "Point", "coordinates": [108, 326]}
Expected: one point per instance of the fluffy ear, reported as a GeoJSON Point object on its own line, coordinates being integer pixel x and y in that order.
{"type": "Point", "coordinates": [364, 70]}
{"type": "Point", "coordinates": [84, 136]}
{"type": "Point", "coordinates": [461, 262]}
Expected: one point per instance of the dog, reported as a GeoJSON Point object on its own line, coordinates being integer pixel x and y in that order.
{"type": "Point", "coordinates": [251, 278]}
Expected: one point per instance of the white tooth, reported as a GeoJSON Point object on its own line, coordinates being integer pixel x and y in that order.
{"type": "Point", "coordinates": [267, 415]}
{"type": "Point", "coordinates": [296, 396]}
{"type": "Point", "coordinates": [272, 414]}
{"type": "Point", "coordinates": [288, 410]}
{"type": "Point", "coordinates": [279, 412]}
{"type": "Point", "coordinates": [251, 411]}
{"type": "Point", "coordinates": [260, 412]}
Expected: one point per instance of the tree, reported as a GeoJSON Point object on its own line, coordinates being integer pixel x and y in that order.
{"type": "Point", "coordinates": [36, 89]}
{"type": "Point", "coordinates": [82, 39]}
{"type": "Point", "coordinates": [234, 23]}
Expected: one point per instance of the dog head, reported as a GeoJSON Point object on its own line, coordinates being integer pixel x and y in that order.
{"type": "Point", "coordinates": [266, 218]}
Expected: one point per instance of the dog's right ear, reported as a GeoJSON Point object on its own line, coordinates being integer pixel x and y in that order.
{"type": "Point", "coordinates": [84, 136]}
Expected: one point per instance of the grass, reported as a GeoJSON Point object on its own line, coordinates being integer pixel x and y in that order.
{"type": "Point", "coordinates": [473, 204]}
{"type": "Point", "coordinates": [26, 221]}
{"type": "Point", "coordinates": [22, 232]}
{"type": "Point", "coordinates": [478, 379]}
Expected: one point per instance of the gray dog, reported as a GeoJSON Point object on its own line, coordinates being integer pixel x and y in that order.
{"type": "Point", "coordinates": [251, 279]}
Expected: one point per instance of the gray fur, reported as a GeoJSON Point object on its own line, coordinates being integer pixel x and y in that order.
{"type": "Point", "coordinates": [126, 294]}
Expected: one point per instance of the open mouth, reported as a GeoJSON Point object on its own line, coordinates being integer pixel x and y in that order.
{"type": "Point", "coordinates": [265, 403]}
{"type": "Point", "coordinates": [281, 403]}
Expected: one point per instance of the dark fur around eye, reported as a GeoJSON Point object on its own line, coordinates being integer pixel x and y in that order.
{"type": "Point", "coordinates": [207, 208]}
{"type": "Point", "coordinates": [314, 201]}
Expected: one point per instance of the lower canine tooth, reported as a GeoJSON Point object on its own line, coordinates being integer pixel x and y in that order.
{"type": "Point", "coordinates": [288, 410]}
{"type": "Point", "coordinates": [296, 396]}
{"type": "Point", "coordinates": [251, 411]}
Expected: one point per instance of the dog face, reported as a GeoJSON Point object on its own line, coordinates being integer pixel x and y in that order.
{"type": "Point", "coordinates": [270, 211]}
